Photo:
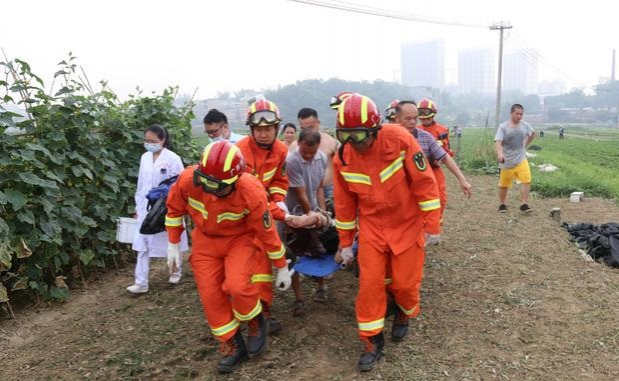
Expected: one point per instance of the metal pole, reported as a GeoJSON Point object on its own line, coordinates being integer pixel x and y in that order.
{"type": "Point", "coordinates": [497, 112]}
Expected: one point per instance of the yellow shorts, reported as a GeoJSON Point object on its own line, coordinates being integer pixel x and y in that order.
{"type": "Point", "coordinates": [521, 172]}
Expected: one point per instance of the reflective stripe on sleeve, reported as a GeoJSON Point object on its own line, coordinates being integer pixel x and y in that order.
{"type": "Point", "coordinates": [426, 206]}
{"type": "Point", "coordinates": [173, 221]}
{"type": "Point", "coordinates": [275, 255]}
{"type": "Point", "coordinates": [345, 225]}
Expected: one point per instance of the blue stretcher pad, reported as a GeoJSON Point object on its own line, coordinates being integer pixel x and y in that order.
{"type": "Point", "coordinates": [319, 267]}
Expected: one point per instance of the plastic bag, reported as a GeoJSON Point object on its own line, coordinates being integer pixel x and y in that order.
{"type": "Point", "coordinates": [155, 218]}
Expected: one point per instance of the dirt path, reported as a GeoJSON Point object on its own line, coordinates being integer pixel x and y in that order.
{"type": "Point", "coordinates": [505, 297]}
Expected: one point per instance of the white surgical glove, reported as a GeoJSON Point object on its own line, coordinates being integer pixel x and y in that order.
{"type": "Point", "coordinates": [347, 256]}
{"type": "Point", "coordinates": [174, 257]}
{"type": "Point", "coordinates": [433, 239]}
{"type": "Point", "coordinates": [282, 206]}
{"type": "Point", "coordinates": [284, 278]}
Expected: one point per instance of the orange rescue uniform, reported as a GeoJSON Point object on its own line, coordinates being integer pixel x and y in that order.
{"type": "Point", "coordinates": [269, 166]}
{"type": "Point", "coordinates": [224, 246]}
{"type": "Point", "coordinates": [441, 134]}
{"type": "Point", "coordinates": [384, 194]}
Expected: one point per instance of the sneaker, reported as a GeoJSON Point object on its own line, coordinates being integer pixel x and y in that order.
{"type": "Point", "coordinates": [321, 296]}
{"type": "Point", "coordinates": [502, 208]}
{"type": "Point", "coordinates": [174, 278]}
{"type": "Point", "coordinates": [137, 289]}
{"type": "Point", "coordinates": [526, 208]}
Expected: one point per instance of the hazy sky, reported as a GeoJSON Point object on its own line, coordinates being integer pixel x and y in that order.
{"type": "Point", "coordinates": [225, 45]}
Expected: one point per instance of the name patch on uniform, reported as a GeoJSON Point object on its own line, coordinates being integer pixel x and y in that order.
{"type": "Point", "coordinates": [420, 161]}
{"type": "Point", "coordinates": [266, 220]}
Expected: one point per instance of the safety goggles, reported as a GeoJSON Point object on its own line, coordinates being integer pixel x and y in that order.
{"type": "Point", "coordinates": [264, 118]}
{"type": "Point", "coordinates": [208, 183]}
{"type": "Point", "coordinates": [425, 112]}
{"type": "Point", "coordinates": [390, 113]}
{"type": "Point", "coordinates": [353, 135]}
{"type": "Point", "coordinates": [335, 102]}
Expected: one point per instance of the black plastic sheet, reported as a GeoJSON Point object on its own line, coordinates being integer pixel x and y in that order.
{"type": "Point", "coordinates": [601, 242]}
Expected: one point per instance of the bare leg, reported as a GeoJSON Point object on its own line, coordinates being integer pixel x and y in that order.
{"type": "Point", "coordinates": [296, 287]}
{"type": "Point", "coordinates": [524, 192]}
{"type": "Point", "coordinates": [502, 195]}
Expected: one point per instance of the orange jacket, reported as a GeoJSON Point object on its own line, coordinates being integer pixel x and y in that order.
{"type": "Point", "coordinates": [269, 166]}
{"type": "Point", "coordinates": [388, 188]}
{"type": "Point", "coordinates": [440, 133]}
{"type": "Point", "coordinates": [243, 214]}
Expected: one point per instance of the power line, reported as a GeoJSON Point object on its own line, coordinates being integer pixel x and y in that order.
{"type": "Point", "coordinates": [373, 11]}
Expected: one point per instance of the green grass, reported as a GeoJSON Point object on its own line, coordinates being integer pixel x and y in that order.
{"type": "Point", "coordinates": [588, 160]}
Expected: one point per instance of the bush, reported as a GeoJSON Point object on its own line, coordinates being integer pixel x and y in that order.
{"type": "Point", "coordinates": [69, 173]}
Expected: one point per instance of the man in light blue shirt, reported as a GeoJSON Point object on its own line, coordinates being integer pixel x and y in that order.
{"type": "Point", "coordinates": [216, 127]}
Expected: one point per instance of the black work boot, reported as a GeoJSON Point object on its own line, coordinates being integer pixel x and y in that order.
{"type": "Point", "coordinates": [400, 326]}
{"type": "Point", "coordinates": [274, 325]}
{"type": "Point", "coordinates": [392, 307]}
{"type": "Point", "coordinates": [257, 335]}
{"type": "Point", "coordinates": [373, 351]}
{"type": "Point", "coordinates": [235, 352]}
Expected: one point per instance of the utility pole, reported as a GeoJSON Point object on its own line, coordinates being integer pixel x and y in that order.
{"type": "Point", "coordinates": [500, 27]}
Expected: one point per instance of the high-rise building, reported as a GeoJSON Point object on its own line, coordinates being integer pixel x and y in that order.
{"type": "Point", "coordinates": [521, 72]}
{"type": "Point", "coordinates": [423, 64]}
{"type": "Point", "coordinates": [477, 71]}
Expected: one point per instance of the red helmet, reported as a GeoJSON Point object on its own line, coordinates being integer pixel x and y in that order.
{"type": "Point", "coordinates": [390, 110]}
{"type": "Point", "coordinates": [263, 112]}
{"type": "Point", "coordinates": [220, 165]}
{"type": "Point", "coordinates": [336, 100]}
{"type": "Point", "coordinates": [427, 108]}
{"type": "Point", "coordinates": [357, 116]}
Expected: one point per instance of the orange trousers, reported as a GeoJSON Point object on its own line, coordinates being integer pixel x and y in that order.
{"type": "Point", "coordinates": [406, 271]}
{"type": "Point", "coordinates": [263, 277]}
{"type": "Point", "coordinates": [225, 263]}
{"type": "Point", "coordinates": [442, 188]}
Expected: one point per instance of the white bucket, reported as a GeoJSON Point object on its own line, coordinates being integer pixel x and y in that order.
{"type": "Point", "coordinates": [125, 229]}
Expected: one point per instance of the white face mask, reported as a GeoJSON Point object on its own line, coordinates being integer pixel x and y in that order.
{"type": "Point", "coordinates": [152, 147]}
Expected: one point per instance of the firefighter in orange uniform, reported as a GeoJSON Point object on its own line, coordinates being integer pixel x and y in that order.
{"type": "Point", "coordinates": [230, 212]}
{"type": "Point", "coordinates": [427, 110]}
{"type": "Point", "coordinates": [265, 156]}
{"type": "Point", "coordinates": [383, 188]}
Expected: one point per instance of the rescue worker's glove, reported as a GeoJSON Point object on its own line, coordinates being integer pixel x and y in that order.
{"type": "Point", "coordinates": [346, 256]}
{"type": "Point", "coordinates": [284, 278]}
{"type": "Point", "coordinates": [433, 239]}
{"type": "Point", "coordinates": [174, 257]}
{"type": "Point", "coordinates": [282, 206]}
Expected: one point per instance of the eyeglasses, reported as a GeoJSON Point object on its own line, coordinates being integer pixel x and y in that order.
{"type": "Point", "coordinates": [426, 112]}
{"type": "Point", "coordinates": [213, 132]}
{"type": "Point", "coordinates": [208, 183]}
{"type": "Point", "coordinates": [264, 117]}
{"type": "Point", "coordinates": [354, 135]}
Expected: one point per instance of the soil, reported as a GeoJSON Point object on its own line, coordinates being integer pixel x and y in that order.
{"type": "Point", "coordinates": [505, 297]}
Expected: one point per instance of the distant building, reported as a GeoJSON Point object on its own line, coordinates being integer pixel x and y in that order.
{"type": "Point", "coordinates": [520, 72]}
{"type": "Point", "coordinates": [423, 64]}
{"type": "Point", "coordinates": [550, 88]}
{"type": "Point", "coordinates": [477, 71]}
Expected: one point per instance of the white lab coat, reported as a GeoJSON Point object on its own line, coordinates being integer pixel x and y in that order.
{"type": "Point", "coordinates": [168, 164]}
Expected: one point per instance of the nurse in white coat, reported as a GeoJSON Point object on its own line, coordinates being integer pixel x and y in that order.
{"type": "Point", "coordinates": [157, 164]}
